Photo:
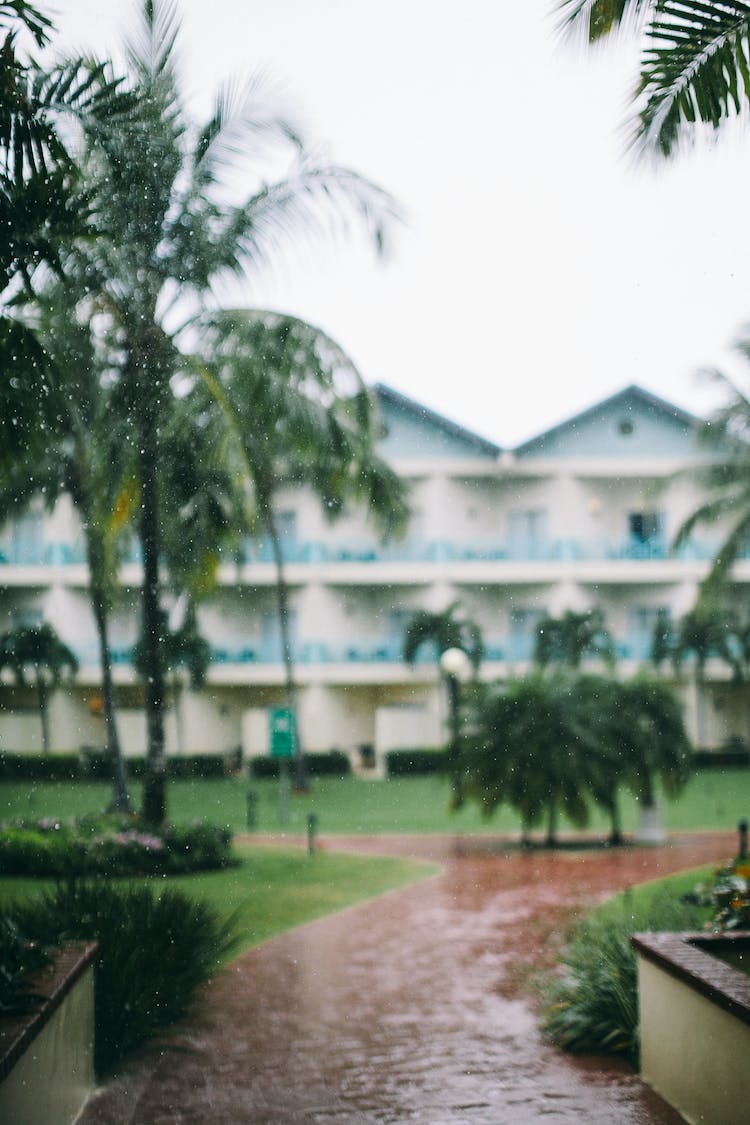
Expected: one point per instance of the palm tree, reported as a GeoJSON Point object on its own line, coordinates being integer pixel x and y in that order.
{"type": "Point", "coordinates": [568, 639]}
{"type": "Point", "coordinates": [185, 650]}
{"type": "Point", "coordinates": [86, 456]}
{"type": "Point", "coordinates": [694, 62]}
{"type": "Point", "coordinates": [290, 409]}
{"type": "Point", "coordinates": [42, 207]}
{"type": "Point", "coordinates": [34, 654]}
{"type": "Point", "coordinates": [726, 479]}
{"type": "Point", "coordinates": [442, 632]}
{"type": "Point", "coordinates": [158, 186]}
{"type": "Point", "coordinates": [653, 739]}
{"type": "Point", "coordinates": [529, 746]}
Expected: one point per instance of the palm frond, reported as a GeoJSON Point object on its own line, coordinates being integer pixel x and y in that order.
{"type": "Point", "coordinates": [150, 50]}
{"type": "Point", "coordinates": [697, 70]}
{"type": "Point", "coordinates": [314, 200]}
{"type": "Point", "coordinates": [598, 18]}
{"type": "Point", "coordinates": [243, 116]}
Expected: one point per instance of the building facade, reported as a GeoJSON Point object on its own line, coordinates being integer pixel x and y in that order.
{"type": "Point", "coordinates": [581, 516]}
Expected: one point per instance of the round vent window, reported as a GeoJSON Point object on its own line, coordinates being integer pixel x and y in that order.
{"type": "Point", "coordinates": [625, 427]}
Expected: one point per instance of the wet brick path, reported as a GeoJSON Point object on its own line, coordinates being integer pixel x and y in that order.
{"type": "Point", "coordinates": [416, 1007]}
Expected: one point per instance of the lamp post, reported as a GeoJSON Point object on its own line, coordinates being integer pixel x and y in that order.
{"type": "Point", "coordinates": [456, 667]}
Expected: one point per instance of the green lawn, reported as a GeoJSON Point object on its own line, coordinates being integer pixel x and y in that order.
{"type": "Point", "coordinates": [714, 799]}
{"type": "Point", "coordinates": [275, 889]}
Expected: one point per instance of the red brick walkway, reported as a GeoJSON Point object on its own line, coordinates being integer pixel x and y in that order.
{"type": "Point", "coordinates": [416, 1007]}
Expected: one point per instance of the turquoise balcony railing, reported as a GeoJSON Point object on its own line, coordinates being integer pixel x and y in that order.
{"type": "Point", "coordinates": [312, 552]}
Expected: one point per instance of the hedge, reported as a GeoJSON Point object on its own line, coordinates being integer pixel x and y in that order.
{"type": "Point", "coordinates": [334, 763]}
{"type": "Point", "coordinates": [95, 764]}
{"type": "Point", "coordinates": [406, 763]}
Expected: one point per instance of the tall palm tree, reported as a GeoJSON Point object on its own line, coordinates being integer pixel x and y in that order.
{"type": "Point", "coordinates": [83, 458]}
{"type": "Point", "coordinates": [290, 409]}
{"type": "Point", "coordinates": [441, 632]}
{"type": "Point", "coordinates": [42, 206]}
{"type": "Point", "coordinates": [159, 188]}
{"type": "Point", "coordinates": [695, 61]}
{"type": "Point", "coordinates": [568, 639]}
{"type": "Point", "coordinates": [34, 654]}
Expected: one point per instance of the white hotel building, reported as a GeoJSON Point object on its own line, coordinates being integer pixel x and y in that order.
{"type": "Point", "coordinates": [581, 516]}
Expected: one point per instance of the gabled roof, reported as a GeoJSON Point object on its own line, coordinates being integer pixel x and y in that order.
{"type": "Point", "coordinates": [630, 403]}
{"type": "Point", "coordinates": [423, 416]}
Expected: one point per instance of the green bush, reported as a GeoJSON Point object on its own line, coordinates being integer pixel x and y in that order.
{"type": "Point", "coordinates": [334, 763]}
{"type": "Point", "coordinates": [39, 767]}
{"type": "Point", "coordinates": [19, 960]}
{"type": "Point", "coordinates": [154, 951]}
{"type": "Point", "coordinates": [593, 1007]}
{"type": "Point", "coordinates": [409, 763]}
{"type": "Point", "coordinates": [112, 845]}
{"type": "Point", "coordinates": [95, 764]}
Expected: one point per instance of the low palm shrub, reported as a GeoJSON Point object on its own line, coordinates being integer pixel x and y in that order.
{"type": "Point", "coordinates": [154, 951]}
{"type": "Point", "coordinates": [592, 1007]}
{"type": "Point", "coordinates": [110, 845]}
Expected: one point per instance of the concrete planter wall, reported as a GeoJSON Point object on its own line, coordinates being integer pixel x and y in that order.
{"type": "Point", "coordinates": [695, 1023]}
{"type": "Point", "coordinates": [47, 1055]}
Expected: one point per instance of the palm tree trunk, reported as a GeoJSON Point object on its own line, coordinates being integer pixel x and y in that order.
{"type": "Point", "coordinates": [120, 801]}
{"type": "Point", "coordinates": [551, 840]}
{"type": "Point", "coordinates": [154, 802]}
{"type": "Point", "coordinates": [41, 689]}
{"type": "Point", "coordinates": [615, 835]}
{"type": "Point", "coordinates": [282, 605]}
{"type": "Point", "coordinates": [454, 750]}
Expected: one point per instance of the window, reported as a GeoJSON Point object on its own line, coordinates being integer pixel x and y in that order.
{"type": "Point", "coordinates": [527, 533]}
{"type": "Point", "coordinates": [646, 527]}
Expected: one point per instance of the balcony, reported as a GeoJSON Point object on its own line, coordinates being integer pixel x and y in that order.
{"type": "Point", "coordinates": [315, 552]}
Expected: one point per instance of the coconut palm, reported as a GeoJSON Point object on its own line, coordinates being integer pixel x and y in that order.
{"type": "Point", "coordinates": [159, 188]}
{"type": "Point", "coordinates": [725, 478]}
{"type": "Point", "coordinates": [442, 632]}
{"type": "Point", "coordinates": [34, 655]}
{"type": "Point", "coordinates": [83, 458]}
{"type": "Point", "coordinates": [288, 409]}
{"type": "Point", "coordinates": [42, 206]}
{"type": "Point", "coordinates": [569, 639]}
{"type": "Point", "coordinates": [694, 62]}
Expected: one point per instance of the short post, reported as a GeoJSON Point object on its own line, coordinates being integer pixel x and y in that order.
{"type": "Point", "coordinates": [252, 809]}
{"type": "Point", "coordinates": [312, 831]}
{"type": "Point", "coordinates": [283, 792]}
{"type": "Point", "coordinates": [742, 829]}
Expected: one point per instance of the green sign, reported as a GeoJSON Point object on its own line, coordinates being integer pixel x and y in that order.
{"type": "Point", "coordinates": [281, 726]}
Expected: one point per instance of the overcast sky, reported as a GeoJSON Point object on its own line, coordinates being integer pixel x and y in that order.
{"type": "Point", "coordinates": [539, 269]}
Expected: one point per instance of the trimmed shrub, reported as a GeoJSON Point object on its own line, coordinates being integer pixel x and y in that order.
{"type": "Point", "coordinates": [410, 763]}
{"type": "Point", "coordinates": [111, 845]}
{"type": "Point", "coordinates": [39, 767]}
{"type": "Point", "coordinates": [726, 758]}
{"type": "Point", "coordinates": [334, 763]}
{"type": "Point", "coordinates": [95, 764]}
{"type": "Point", "coordinates": [593, 1007]}
{"type": "Point", "coordinates": [154, 951]}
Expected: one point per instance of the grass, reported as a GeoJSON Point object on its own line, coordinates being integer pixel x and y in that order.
{"type": "Point", "coordinates": [713, 799]}
{"type": "Point", "coordinates": [274, 889]}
